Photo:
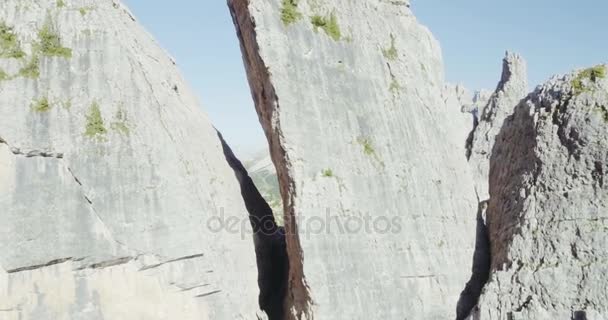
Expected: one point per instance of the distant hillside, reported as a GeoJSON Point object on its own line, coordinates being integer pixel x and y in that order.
{"type": "Point", "coordinates": [264, 176]}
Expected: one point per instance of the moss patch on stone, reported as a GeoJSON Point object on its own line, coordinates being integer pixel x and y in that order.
{"type": "Point", "coordinates": [31, 70]}
{"type": "Point", "coordinates": [10, 47]}
{"type": "Point", "coordinates": [328, 24]}
{"type": "Point", "coordinates": [391, 53]}
{"type": "Point", "coordinates": [41, 105]}
{"type": "Point", "coordinates": [591, 74]}
{"type": "Point", "coordinates": [289, 12]}
{"type": "Point", "coordinates": [60, 4]}
{"type": "Point", "coordinates": [50, 44]}
{"type": "Point", "coordinates": [95, 127]}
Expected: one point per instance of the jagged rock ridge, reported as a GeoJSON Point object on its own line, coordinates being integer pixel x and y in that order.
{"type": "Point", "coordinates": [547, 215]}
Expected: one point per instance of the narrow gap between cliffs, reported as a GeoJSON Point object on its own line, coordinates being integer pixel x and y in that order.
{"type": "Point", "coordinates": [269, 241]}
{"type": "Point", "coordinates": [469, 297]}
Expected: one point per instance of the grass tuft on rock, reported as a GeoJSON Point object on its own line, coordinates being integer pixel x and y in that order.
{"type": "Point", "coordinates": [31, 70]}
{"type": "Point", "coordinates": [50, 44]}
{"type": "Point", "coordinates": [289, 12]}
{"type": "Point", "coordinates": [368, 149]}
{"type": "Point", "coordinates": [394, 87]}
{"type": "Point", "coordinates": [391, 53]}
{"type": "Point", "coordinates": [591, 74]}
{"type": "Point", "coordinates": [60, 4]}
{"type": "Point", "coordinates": [10, 47]}
{"type": "Point", "coordinates": [328, 24]}
{"type": "Point", "coordinates": [327, 173]}
{"type": "Point", "coordinates": [3, 75]}
{"type": "Point", "coordinates": [41, 105]}
{"type": "Point", "coordinates": [95, 127]}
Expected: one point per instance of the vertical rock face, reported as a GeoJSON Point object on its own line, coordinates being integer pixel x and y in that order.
{"type": "Point", "coordinates": [109, 176]}
{"type": "Point", "coordinates": [548, 209]}
{"type": "Point", "coordinates": [513, 87]}
{"type": "Point", "coordinates": [380, 207]}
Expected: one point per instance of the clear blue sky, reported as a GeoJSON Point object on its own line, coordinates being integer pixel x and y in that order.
{"type": "Point", "coordinates": [554, 36]}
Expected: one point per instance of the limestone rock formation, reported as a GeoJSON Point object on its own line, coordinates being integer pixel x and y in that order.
{"type": "Point", "coordinates": [548, 211]}
{"type": "Point", "coordinates": [512, 88]}
{"type": "Point", "coordinates": [112, 181]}
{"type": "Point", "coordinates": [379, 203]}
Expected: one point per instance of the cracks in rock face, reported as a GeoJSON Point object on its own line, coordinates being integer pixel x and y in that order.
{"type": "Point", "coordinates": [107, 264]}
{"type": "Point", "coordinates": [298, 301]}
{"type": "Point", "coordinates": [207, 294]}
{"type": "Point", "coordinates": [32, 153]}
{"type": "Point", "coordinates": [60, 156]}
{"type": "Point", "coordinates": [269, 242]}
{"type": "Point", "coordinates": [471, 138]}
{"type": "Point", "coordinates": [171, 261]}
{"type": "Point", "coordinates": [40, 266]}
{"type": "Point", "coordinates": [481, 267]}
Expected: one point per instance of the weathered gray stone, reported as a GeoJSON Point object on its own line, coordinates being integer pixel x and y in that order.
{"type": "Point", "coordinates": [360, 130]}
{"type": "Point", "coordinates": [548, 210]}
{"type": "Point", "coordinates": [511, 89]}
{"type": "Point", "coordinates": [109, 175]}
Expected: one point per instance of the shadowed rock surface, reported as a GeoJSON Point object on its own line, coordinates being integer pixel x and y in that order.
{"type": "Point", "coordinates": [511, 89]}
{"type": "Point", "coordinates": [547, 215]}
{"type": "Point", "coordinates": [269, 241]}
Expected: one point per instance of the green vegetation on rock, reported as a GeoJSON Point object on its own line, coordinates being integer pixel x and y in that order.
{"type": "Point", "coordinates": [50, 43]}
{"type": "Point", "coordinates": [9, 44]}
{"type": "Point", "coordinates": [328, 173]}
{"type": "Point", "coordinates": [289, 12]}
{"type": "Point", "coordinates": [394, 87]}
{"type": "Point", "coordinates": [591, 74]}
{"type": "Point", "coordinates": [4, 75]}
{"type": "Point", "coordinates": [41, 105]}
{"type": "Point", "coordinates": [328, 24]}
{"type": "Point", "coordinates": [391, 52]}
{"type": "Point", "coordinates": [31, 70]}
{"type": "Point", "coordinates": [368, 149]}
{"type": "Point", "coordinates": [95, 126]}
{"type": "Point", "coordinates": [60, 4]}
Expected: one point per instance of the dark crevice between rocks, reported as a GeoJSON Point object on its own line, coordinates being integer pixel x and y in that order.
{"type": "Point", "coordinates": [481, 268]}
{"type": "Point", "coordinates": [269, 241]}
{"type": "Point", "coordinates": [298, 301]}
{"type": "Point", "coordinates": [471, 137]}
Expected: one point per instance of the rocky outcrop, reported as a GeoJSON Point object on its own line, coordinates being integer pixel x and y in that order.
{"type": "Point", "coordinates": [112, 182]}
{"type": "Point", "coordinates": [547, 216]}
{"type": "Point", "coordinates": [379, 204]}
{"type": "Point", "coordinates": [511, 89]}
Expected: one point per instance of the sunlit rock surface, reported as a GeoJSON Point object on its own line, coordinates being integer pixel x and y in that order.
{"type": "Point", "coordinates": [110, 176]}
{"type": "Point", "coordinates": [511, 89]}
{"type": "Point", "coordinates": [380, 206]}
